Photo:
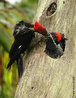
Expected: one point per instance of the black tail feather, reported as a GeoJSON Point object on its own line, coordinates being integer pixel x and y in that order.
{"type": "Point", "coordinates": [20, 68]}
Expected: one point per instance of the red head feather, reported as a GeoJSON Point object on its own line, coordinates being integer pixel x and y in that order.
{"type": "Point", "coordinates": [58, 36]}
{"type": "Point", "coordinates": [38, 27]}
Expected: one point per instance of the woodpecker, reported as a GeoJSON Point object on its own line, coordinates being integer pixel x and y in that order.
{"type": "Point", "coordinates": [23, 35]}
{"type": "Point", "coordinates": [55, 44]}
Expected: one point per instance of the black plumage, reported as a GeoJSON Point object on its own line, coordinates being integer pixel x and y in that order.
{"type": "Point", "coordinates": [23, 36]}
{"type": "Point", "coordinates": [19, 46]}
{"type": "Point", "coordinates": [54, 48]}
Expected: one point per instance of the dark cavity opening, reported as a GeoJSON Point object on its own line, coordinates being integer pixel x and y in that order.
{"type": "Point", "coordinates": [51, 9]}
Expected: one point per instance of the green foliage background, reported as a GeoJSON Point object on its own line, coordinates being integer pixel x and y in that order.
{"type": "Point", "coordinates": [10, 15]}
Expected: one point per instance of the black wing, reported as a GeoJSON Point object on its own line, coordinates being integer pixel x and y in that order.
{"type": "Point", "coordinates": [14, 57]}
{"type": "Point", "coordinates": [22, 42]}
{"type": "Point", "coordinates": [24, 39]}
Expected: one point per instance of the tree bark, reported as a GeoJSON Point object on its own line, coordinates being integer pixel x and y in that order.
{"type": "Point", "coordinates": [45, 77]}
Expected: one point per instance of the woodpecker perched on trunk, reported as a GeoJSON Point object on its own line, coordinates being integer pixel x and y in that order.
{"type": "Point", "coordinates": [23, 36]}
{"type": "Point", "coordinates": [55, 44]}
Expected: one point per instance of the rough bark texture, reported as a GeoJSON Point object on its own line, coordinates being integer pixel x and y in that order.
{"type": "Point", "coordinates": [45, 77]}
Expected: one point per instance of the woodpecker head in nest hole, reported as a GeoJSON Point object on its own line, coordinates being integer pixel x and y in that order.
{"type": "Point", "coordinates": [55, 44]}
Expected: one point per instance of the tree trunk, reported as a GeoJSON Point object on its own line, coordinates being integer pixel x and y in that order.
{"type": "Point", "coordinates": [45, 77]}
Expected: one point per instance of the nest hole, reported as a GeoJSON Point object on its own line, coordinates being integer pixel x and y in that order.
{"type": "Point", "coordinates": [51, 9]}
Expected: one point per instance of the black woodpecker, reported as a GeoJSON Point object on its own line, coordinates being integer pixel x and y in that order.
{"type": "Point", "coordinates": [23, 35]}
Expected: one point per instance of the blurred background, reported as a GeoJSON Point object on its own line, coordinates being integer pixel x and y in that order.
{"type": "Point", "coordinates": [11, 12]}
